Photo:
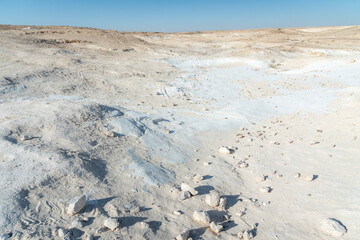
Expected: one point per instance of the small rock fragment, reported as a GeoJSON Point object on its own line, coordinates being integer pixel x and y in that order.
{"type": "Point", "coordinates": [184, 235]}
{"type": "Point", "coordinates": [265, 190]}
{"type": "Point", "coordinates": [297, 175]}
{"type": "Point", "coordinates": [201, 217]}
{"type": "Point", "coordinates": [212, 199]}
{"type": "Point", "coordinates": [6, 236]}
{"type": "Point", "coordinates": [111, 223]}
{"type": "Point", "coordinates": [84, 219]}
{"type": "Point", "coordinates": [332, 227]}
{"type": "Point", "coordinates": [108, 133]}
{"type": "Point", "coordinates": [223, 203]}
{"type": "Point", "coordinates": [308, 177]}
{"type": "Point", "coordinates": [216, 228]}
{"type": "Point", "coordinates": [224, 150]}
{"type": "Point", "coordinates": [183, 195]}
{"type": "Point", "coordinates": [197, 178]}
{"type": "Point", "coordinates": [100, 230]}
{"type": "Point", "coordinates": [241, 213]}
{"type": "Point", "coordinates": [76, 224]}
{"type": "Point", "coordinates": [77, 205]}
{"type": "Point", "coordinates": [25, 138]}
{"type": "Point", "coordinates": [261, 178]}
{"type": "Point", "coordinates": [62, 232]}
{"type": "Point", "coordinates": [247, 235]}
{"type": "Point", "coordinates": [89, 237]}
{"type": "Point", "coordinates": [135, 209]}
{"type": "Point", "coordinates": [185, 187]}
{"type": "Point", "coordinates": [243, 165]}
{"type": "Point", "coordinates": [177, 212]}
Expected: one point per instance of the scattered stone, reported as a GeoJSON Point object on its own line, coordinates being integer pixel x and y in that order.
{"type": "Point", "coordinates": [5, 236]}
{"type": "Point", "coordinates": [108, 133]}
{"type": "Point", "coordinates": [89, 237]}
{"type": "Point", "coordinates": [84, 219]}
{"type": "Point", "coordinates": [207, 163]}
{"type": "Point", "coordinates": [332, 227]}
{"type": "Point", "coordinates": [77, 205]}
{"type": "Point", "coordinates": [243, 165]}
{"type": "Point", "coordinates": [184, 235]}
{"type": "Point", "coordinates": [177, 212]}
{"type": "Point", "coordinates": [212, 199]}
{"type": "Point", "coordinates": [25, 138]}
{"type": "Point", "coordinates": [224, 150]}
{"type": "Point", "coordinates": [62, 232]}
{"type": "Point", "coordinates": [135, 209]}
{"type": "Point", "coordinates": [183, 195]}
{"type": "Point", "coordinates": [185, 187]}
{"type": "Point", "coordinates": [216, 228]}
{"type": "Point", "coordinates": [176, 189]}
{"type": "Point", "coordinates": [111, 223]}
{"type": "Point", "coordinates": [261, 178]}
{"type": "Point", "coordinates": [241, 213]}
{"type": "Point", "coordinates": [308, 177]}
{"type": "Point", "coordinates": [197, 178]}
{"type": "Point", "coordinates": [247, 235]}
{"type": "Point", "coordinates": [297, 175]}
{"type": "Point", "coordinates": [279, 175]}
{"type": "Point", "coordinates": [223, 203]}
{"type": "Point", "coordinates": [76, 224]}
{"type": "Point", "coordinates": [201, 217]}
{"type": "Point", "coordinates": [100, 230]}
{"type": "Point", "coordinates": [265, 190]}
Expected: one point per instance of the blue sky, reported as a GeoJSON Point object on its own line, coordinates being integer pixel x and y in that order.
{"type": "Point", "coordinates": [185, 15]}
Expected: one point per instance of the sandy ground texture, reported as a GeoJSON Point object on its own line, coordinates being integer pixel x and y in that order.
{"type": "Point", "coordinates": [205, 135]}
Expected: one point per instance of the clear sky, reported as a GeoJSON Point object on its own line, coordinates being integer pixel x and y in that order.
{"type": "Point", "coordinates": [185, 15]}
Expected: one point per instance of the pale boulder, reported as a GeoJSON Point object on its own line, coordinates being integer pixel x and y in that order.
{"type": "Point", "coordinates": [77, 205]}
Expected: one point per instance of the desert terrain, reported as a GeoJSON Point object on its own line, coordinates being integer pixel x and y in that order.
{"type": "Point", "coordinates": [203, 135]}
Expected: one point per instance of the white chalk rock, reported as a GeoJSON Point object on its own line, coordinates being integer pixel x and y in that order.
{"type": "Point", "coordinates": [247, 235]}
{"type": "Point", "coordinates": [197, 178]}
{"type": "Point", "coordinates": [89, 237]}
{"type": "Point", "coordinates": [177, 212]}
{"type": "Point", "coordinates": [223, 203]}
{"type": "Point", "coordinates": [241, 213]}
{"type": "Point", "coordinates": [332, 227]}
{"type": "Point", "coordinates": [77, 205]}
{"type": "Point", "coordinates": [224, 150]}
{"type": "Point", "coordinates": [62, 232]}
{"type": "Point", "coordinates": [111, 223]}
{"type": "Point", "coordinates": [183, 195]}
{"type": "Point", "coordinates": [100, 230]}
{"type": "Point", "coordinates": [261, 178]}
{"type": "Point", "coordinates": [216, 228]}
{"type": "Point", "coordinates": [243, 165]}
{"type": "Point", "coordinates": [76, 224]}
{"type": "Point", "coordinates": [212, 199]}
{"type": "Point", "coordinates": [201, 217]}
{"type": "Point", "coordinates": [265, 190]}
{"type": "Point", "coordinates": [135, 209]}
{"type": "Point", "coordinates": [308, 177]}
{"type": "Point", "coordinates": [297, 175]}
{"type": "Point", "coordinates": [186, 187]}
{"type": "Point", "coordinates": [5, 236]}
{"type": "Point", "coordinates": [184, 235]}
